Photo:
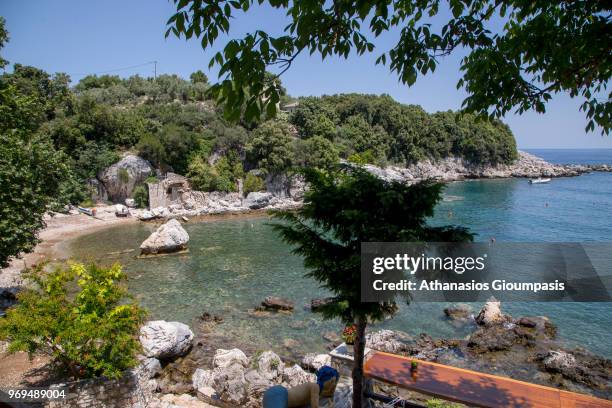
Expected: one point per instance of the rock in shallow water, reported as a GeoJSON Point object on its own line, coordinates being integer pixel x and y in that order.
{"type": "Point", "coordinates": [491, 313]}
{"type": "Point", "coordinates": [277, 303]}
{"type": "Point", "coordinates": [165, 340]}
{"type": "Point", "coordinates": [170, 237]}
{"type": "Point", "coordinates": [458, 312]}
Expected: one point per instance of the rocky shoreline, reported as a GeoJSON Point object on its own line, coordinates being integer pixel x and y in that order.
{"type": "Point", "coordinates": [455, 169]}
{"type": "Point", "coordinates": [283, 192]}
{"type": "Point", "coordinates": [223, 372]}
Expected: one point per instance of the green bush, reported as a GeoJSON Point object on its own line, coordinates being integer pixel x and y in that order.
{"type": "Point", "coordinates": [88, 202]}
{"type": "Point", "coordinates": [221, 176]}
{"type": "Point", "coordinates": [123, 175]}
{"type": "Point", "coordinates": [90, 332]}
{"type": "Point", "coordinates": [253, 183]}
{"type": "Point", "coordinates": [141, 196]}
{"type": "Point", "coordinates": [201, 175]}
{"type": "Point", "coordinates": [362, 158]}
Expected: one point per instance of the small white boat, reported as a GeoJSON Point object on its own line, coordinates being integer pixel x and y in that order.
{"type": "Point", "coordinates": [539, 180]}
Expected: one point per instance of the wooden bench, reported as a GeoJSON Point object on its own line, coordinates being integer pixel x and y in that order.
{"type": "Point", "coordinates": [471, 387]}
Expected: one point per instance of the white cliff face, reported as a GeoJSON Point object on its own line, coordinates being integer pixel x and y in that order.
{"type": "Point", "coordinates": [453, 168]}
{"type": "Point", "coordinates": [120, 179]}
{"type": "Point", "coordinates": [170, 237]}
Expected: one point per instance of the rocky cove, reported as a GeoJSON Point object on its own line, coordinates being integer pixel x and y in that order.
{"type": "Point", "coordinates": [172, 196]}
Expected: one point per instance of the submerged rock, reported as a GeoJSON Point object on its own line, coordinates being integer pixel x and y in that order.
{"type": "Point", "coordinates": [170, 237]}
{"type": "Point", "coordinates": [458, 312]}
{"type": "Point", "coordinates": [277, 303]}
{"type": "Point", "coordinates": [165, 340]}
{"type": "Point", "coordinates": [316, 304]}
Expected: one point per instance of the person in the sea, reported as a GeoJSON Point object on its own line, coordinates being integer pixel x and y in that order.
{"type": "Point", "coordinates": [303, 395]}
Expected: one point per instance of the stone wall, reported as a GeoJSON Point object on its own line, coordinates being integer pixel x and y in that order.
{"type": "Point", "coordinates": [101, 392]}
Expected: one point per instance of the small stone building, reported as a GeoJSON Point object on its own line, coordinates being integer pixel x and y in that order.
{"type": "Point", "coordinates": [167, 191]}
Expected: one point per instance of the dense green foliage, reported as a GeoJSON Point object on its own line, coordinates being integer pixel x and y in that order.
{"type": "Point", "coordinates": [341, 210]}
{"type": "Point", "coordinates": [519, 53]}
{"type": "Point", "coordinates": [141, 196]}
{"type": "Point", "coordinates": [223, 175]}
{"type": "Point", "coordinates": [34, 176]}
{"type": "Point", "coordinates": [253, 183]}
{"type": "Point", "coordinates": [372, 128]}
{"type": "Point", "coordinates": [88, 333]}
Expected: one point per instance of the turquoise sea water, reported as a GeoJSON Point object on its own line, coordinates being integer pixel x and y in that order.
{"type": "Point", "coordinates": [233, 264]}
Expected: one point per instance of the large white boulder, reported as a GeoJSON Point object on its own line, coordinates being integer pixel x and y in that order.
{"type": "Point", "coordinates": [203, 382]}
{"type": "Point", "coordinates": [295, 375]}
{"type": "Point", "coordinates": [257, 200]}
{"type": "Point", "coordinates": [230, 384]}
{"type": "Point", "coordinates": [170, 237]}
{"type": "Point", "coordinates": [315, 361]}
{"type": "Point", "coordinates": [270, 366]}
{"type": "Point", "coordinates": [120, 178]}
{"type": "Point", "coordinates": [225, 358]}
{"type": "Point", "coordinates": [165, 340]}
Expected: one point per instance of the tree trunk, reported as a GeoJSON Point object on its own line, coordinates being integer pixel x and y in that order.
{"type": "Point", "coordinates": [358, 352]}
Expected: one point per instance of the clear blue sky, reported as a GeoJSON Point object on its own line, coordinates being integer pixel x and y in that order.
{"type": "Point", "coordinates": [79, 37]}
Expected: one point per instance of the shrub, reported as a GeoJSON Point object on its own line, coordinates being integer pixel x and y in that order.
{"type": "Point", "coordinates": [221, 176]}
{"type": "Point", "coordinates": [201, 175]}
{"type": "Point", "coordinates": [253, 183]}
{"type": "Point", "coordinates": [141, 196]}
{"type": "Point", "coordinates": [88, 202]}
{"type": "Point", "coordinates": [89, 332]}
{"type": "Point", "coordinates": [123, 175]}
{"type": "Point", "coordinates": [362, 158]}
